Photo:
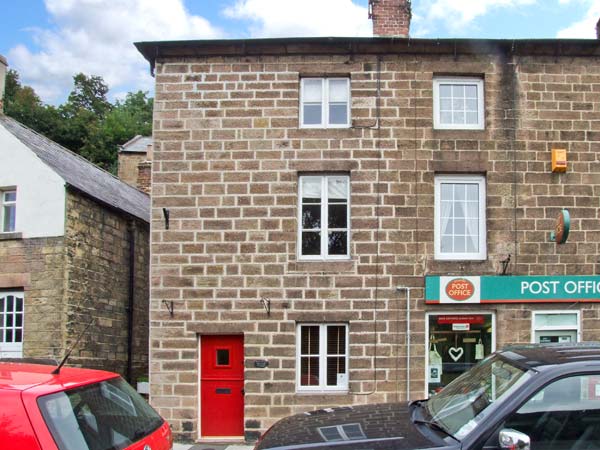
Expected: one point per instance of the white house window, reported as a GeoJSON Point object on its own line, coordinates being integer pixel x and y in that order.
{"type": "Point", "coordinates": [8, 211]}
{"type": "Point", "coordinates": [324, 217]}
{"type": "Point", "coordinates": [458, 103]}
{"type": "Point", "coordinates": [325, 103]}
{"type": "Point", "coordinates": [11, 324]}
{"type": "Point", "coordinates": [555, 327]}
{"type": "Point", "coordinates": [460, 232]}
{"type": "Point", "coordinates": [322, 357]}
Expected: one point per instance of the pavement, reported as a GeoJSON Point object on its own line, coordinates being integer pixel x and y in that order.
{"type": "Point", "coordinates": [208, 446]}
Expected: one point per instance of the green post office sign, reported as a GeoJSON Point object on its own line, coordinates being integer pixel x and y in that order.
{"type": "Point", "coordinates": [512, 289]}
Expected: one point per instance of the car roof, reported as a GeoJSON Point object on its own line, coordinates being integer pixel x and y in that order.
{"type": "Point", "coordinates": [22, 376]}
{"type": "Point", "coordinates": [539, 355]}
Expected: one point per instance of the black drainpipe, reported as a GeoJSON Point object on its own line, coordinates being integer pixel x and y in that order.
{"type": "Point", "coordinates": [131, 293]}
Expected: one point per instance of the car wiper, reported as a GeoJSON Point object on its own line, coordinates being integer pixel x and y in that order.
{"type": "Point", "coordinates": [437, 427]}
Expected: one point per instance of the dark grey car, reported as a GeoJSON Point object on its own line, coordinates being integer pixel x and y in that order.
{"type": "Point", "coordinates": [537, 396]}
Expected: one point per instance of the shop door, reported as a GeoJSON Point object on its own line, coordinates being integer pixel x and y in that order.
{"type": "Point", "coordinates": [222, 386]}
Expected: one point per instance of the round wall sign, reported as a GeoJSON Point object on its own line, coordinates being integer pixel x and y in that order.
{"type": "Point", "coordinates": [563, 225]}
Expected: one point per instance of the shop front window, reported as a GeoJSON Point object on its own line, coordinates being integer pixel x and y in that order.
{"type": "Point", "coordinates": [456, 343]}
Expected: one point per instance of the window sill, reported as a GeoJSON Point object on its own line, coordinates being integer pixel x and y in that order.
{"type": "Point", "coordinates": [322, 266]}
{"type": "Point", "coordinates": [10, 236]}
{"type": "Point", "coordinates": [323, 392]}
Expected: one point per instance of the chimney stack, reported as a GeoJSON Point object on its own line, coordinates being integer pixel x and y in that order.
{"type": "Point", "coordinates": [598, 29]}
{"type": "Point", "coordinates": [390, 17]}
{"type": "Point", "coordinates": [3, 67]}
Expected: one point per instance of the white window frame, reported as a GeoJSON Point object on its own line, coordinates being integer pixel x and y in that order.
{"type": "Point", "coordinates": [325, 103]}
{"type": "Point", "coordinates": [437, 123]}
{"type": "Point", "coordinates": [12, 349]}
{"type": "Point", "coordinates": [466, 256]}
{"type": "Point", "coordinates": [3, 204]}
{"type": "Point", "coordinates": [322, 387]}
{"type": "Point", "coordinates": [324, 219]}
{"type": "Point", "coordinates": [577, 328]}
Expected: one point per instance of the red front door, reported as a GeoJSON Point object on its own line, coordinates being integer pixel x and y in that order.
{"type": "Point", "coordinates": [222, 386]}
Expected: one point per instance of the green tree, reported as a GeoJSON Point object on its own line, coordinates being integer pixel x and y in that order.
{"type": "Point", "coordinates": [23, 104]}
{"type": "Point", "coordinates": [87, 123]}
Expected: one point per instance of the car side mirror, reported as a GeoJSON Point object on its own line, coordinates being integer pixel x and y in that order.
{"type": "Point", "coordinates": [514, 440]}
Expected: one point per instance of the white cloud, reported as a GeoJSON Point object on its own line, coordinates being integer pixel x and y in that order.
{"type": "Point", "coordinates": [96, 37]}
{"type": "Point", "coordinates": [277, 18]}
{"type": "Point", "coordinates": [584, 28]}
{"type": "Point", "coordinates": [455, 15]}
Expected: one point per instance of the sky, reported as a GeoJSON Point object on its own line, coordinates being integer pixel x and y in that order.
{"type": "Point", "coordinates": [49, 41]}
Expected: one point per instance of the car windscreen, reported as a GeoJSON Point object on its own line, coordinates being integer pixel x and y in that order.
{"type": "Point", "coordinates": [472, 397]}
{"type": "Point", "coordinates": [109, 415]}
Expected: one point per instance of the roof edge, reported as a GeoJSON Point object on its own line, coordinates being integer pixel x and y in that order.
{"type": "Point", "coordinates": [153, 50]}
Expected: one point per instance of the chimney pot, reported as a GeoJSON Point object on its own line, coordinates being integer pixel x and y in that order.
{"type": "Point", "coordinates": [390, 17]}
{"type": "Point", "coordinates": [598, 29]}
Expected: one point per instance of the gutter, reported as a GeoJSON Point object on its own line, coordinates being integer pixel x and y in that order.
{"type": "Point", "coordinates": [131, 296]}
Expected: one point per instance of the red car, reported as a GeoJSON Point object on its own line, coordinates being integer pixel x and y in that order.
{"type": "Point", "coordinates": [76, 409]}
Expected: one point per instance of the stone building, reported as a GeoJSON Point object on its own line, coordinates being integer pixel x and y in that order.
{"type": "Point", "coordinates": [73, 247]}
{"type": "Point", "coordinates": [135, 158]}
{"type": "Point", "coordinates": [362, 219]}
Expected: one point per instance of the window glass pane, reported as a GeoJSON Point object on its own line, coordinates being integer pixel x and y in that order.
{"type": "Point", "coordinates": [472, 192]}
{"type": "Point", "coordinates": [18, 320]}
{"type": "Point", "coordinates": [445, 104]}
{"type": "Point", "coordinates": [472, 210]}
{"type": "Point", "coordinates": [222, 357]}
{"type": "Point", "coordinates": [9, 303]}
{"type": "Point", "coordinates": [447, 191]}
{"type": "Point", "coordinates": [471, 118]}
{"type": "Point", "coordinates": [10, 196]}
{"type": "Point", "coordinates": [446, 117]}
{"type": "Point", "coordinates": [460, 192]}
{"type": "Point", "coordinates": [311, 242]}
{"type": "Point", "coordinates": [337, 216]}
{"type": "Point", "coordinates": [309, 371]}
{"type": "Point", "coordinates": [458, 118]}
{"type": "Point", "coordinates": [9, 218]}
{"type": "Point", "coordinates": [338, 91]}
{"type": "Point", "coordinates": [337, 188]}
{"type": "Point", "coordinates": [336, 340]}
{"type": "Point", "coordinates": [471, 105]}
{"type": "Point", "coordinates": [312, 90]}
{"type": "Point", "coordinates": [459, 210]}
{"type": "Point", "coordinates": [472, 244]}
{"type": "Point", "coordinates": [338, 114]}
{"type": "Point", "coordinates": [312, 114]}
{"type": "Point", "coordinates": [471, 91]}
{"type": "Point", "coordinates": [445, 91]}
{"type": "Point", "coordinates": [459, 226]}
{"type": "Point", "coordinates": [335, 366]}
{"type": "Point", "coordinates": [338, 243]}
{"type": "Point", "coordinates": [311, 188]}
{"type": "Point", "coordinates": [9, 320]}
{"type": "Point", "coordinates": [2, 304]}
{"type": "Point", "coordinates": [458, 90]}
{"type": "Point", "coordinates": [309, 340]}
{"type": "Point", "coordinates": [460, 244]}
{"type": "Point", "coordinates": [458, 104]}
{"type": "Point", "coordinates": [556, 320]}
{"type": "Point", "coordinates": [18, 336]}
{"type": "Point", "coordinates": [19, 304]}
{"type": "Point", "coordinates": [8, 335]}
{"type": "Point", "coordinates": [311, 216]}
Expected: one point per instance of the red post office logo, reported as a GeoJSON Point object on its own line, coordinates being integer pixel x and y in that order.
{"type": "Point", "coordinates": [460, 289]}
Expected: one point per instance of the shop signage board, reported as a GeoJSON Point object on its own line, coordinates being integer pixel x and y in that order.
{"type": "Point", "coordinates": [512, 289]}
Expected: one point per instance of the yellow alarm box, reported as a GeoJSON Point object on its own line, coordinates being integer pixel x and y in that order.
{"type": "Point", "coordinates": [559, 160]}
